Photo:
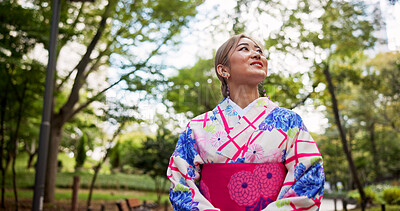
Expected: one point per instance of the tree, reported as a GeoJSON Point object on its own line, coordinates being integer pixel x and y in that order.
{"type": "Point", "coordinates": [326, 35]}
{"type": "Point", "coordinates": [80, 156]}
{"type": "Point", "coordinates": [194, 90]}
{"type": "Point", "coordinates": [153, 156]}
{"type": "Point", "coordinates": [117, 28]}
{"type": "Point", "coordinates": [98, 166]}
{"type": "Point", "coordinates": [21, 83]}
{"type": "Point", "coordinates": [344, 31]}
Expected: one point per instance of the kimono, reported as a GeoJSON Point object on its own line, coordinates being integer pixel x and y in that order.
{"type": "Point", "coordinates": [274, 162]}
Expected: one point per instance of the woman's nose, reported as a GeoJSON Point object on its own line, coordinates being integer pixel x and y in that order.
{"type": "Point", "coordinates": [255, 54]}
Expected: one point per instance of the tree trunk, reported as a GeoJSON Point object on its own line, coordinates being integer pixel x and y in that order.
{"type": "Point", "coordinates": [158, 191]}
{"type": "Point", "coordinates": [96, 172]}
{"type": "Point", "coordinates": [14, 179]}
{"type": "Point", "coordinates": [14, 140]}
{"type": "Point", "coordinates": [32, 151]}
{"type": "Point", "coordinates": [343, 137]}
{"type": "Point", "coordinates": [52, 161]}
{"type": "Point", "coordinates": [374, 151]}
{"type": "Point", "coordinates": [66, 112]}
{"type": "Point", "coordinates": [30, 160]}
{"type": "Point", "coordinates": [97, 168]}
{"type": "Point", "coordinates": [2, 168]}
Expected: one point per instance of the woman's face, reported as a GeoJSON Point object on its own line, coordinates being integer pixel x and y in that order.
{"type": "Point", "coordinates": [248, 64]}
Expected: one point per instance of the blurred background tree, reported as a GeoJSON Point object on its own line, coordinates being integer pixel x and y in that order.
{"type": "Point", "coordinates": [105, 31]}
{"type": "Point", "coordinates": [153, 156]}
{"type": "Point", "coordinates": [112, 58]}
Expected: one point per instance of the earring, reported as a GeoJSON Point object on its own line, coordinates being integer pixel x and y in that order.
{"type": "Point", "coordinates": [227, 92]}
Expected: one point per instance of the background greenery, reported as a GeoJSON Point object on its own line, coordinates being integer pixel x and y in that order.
{"type": "Point", "coordinates": [324, 57]}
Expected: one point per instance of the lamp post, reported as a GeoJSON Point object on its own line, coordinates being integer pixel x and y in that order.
{"type": "Point", "coordinates": [37, 204]}
{"type": "Point", "coordinates": [46, 112]}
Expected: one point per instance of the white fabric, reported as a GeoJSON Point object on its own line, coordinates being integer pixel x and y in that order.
{"type": "Point", "coordinates": [239, 110]}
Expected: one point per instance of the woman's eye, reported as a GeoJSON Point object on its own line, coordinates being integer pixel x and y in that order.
{"type": "Point", "coordinates": [260, 51]}
{"type": "Point", "coordinates": [243, 48]}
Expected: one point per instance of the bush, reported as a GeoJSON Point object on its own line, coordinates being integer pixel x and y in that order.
{"type": "Point", "coordinates": [392, 195]}
{"type": "Point", "coordinates": [369, 192]}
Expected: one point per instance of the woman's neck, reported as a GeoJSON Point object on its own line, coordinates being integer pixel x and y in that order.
{"type": "Point", "coordinates": [243, 95]}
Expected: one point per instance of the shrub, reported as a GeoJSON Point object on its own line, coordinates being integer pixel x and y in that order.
{"type": "Point", "coordinates": [392, 195]}
{"type": "Point", "coordinates": [369, 192]}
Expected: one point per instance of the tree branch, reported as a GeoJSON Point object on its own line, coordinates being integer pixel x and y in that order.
{"type": "Point", "coordinates": [73, 98]}
{"type": "Point", "coordinates": [301, 102]}
{"type": "Point", "coordinates": [137, 67]}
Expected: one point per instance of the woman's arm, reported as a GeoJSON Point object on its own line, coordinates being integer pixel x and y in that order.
{"type": "Point", "coordinates": [183, 171]}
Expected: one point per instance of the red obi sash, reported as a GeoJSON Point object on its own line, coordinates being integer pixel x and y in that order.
{"type": "Point", "coordinates": [241, 186]}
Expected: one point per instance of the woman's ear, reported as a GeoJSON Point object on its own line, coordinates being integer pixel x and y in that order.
{"type": "Point", "coordinates": [223, 71]}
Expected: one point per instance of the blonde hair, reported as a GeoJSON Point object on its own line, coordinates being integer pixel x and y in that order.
{"type": "Point", "coordinates": [222, 57]}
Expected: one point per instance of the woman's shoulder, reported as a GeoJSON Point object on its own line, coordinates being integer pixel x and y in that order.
{"type": "Point", "coordinates": [286, 113]}
{"type": "Point", "coordinates": [200, 119]}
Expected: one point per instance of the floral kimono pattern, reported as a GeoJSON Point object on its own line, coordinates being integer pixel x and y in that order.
{"type": "Point", "coordinates": [265, 134]}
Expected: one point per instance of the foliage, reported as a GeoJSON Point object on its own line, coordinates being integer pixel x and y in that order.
{"type": "Point", "coordinates": [194, 90]}
{"type": "Point", "coordinates": [369, 192]}
{"type": "Point", "coordinates": [81, 151]}
{"type": "Point", "coordinates": [153, 156]}
{"type": "Point", "coordinates": [125, 34]}
{"type": "Point", "coordinates": [125, 149]}
{"type": "Point", "coordinates": [392, 195]}
{"type": "Point", "coordinates": [116, 181]}
{"type": "Point", "coordinates": [115, 156]}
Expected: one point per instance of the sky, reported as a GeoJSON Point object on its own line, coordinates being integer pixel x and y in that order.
{"type": "Point", "coordinates": [391, 15]}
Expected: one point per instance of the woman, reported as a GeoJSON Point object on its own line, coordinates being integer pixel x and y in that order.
{"type": "Point", "coordinates": [247, 153]}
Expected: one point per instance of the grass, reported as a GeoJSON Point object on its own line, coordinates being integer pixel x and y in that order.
{"type": "Point", "coordinates": [378, 208]}
{"type": "Point", "coordinates": [108, 187]}
{"type": "Point", "coordinates": [99, 195]}
{"type": "Point", "coordinates": [105, 179]}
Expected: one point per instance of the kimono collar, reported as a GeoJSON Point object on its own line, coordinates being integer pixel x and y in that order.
{"type": "Point", "coordinates": [240, 128]}
{"type": "Point", "coordinates": [227, 115]}
{"type": "Point", "coordinates": [238, 109]}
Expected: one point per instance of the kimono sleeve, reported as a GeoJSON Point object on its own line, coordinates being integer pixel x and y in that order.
{"type": "Point", "coordinates": [303, 186]}
{"type": "Point", "coordinates": [183, 171]}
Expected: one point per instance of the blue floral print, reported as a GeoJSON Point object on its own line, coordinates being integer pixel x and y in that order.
{"type": "Point", "coordinates": [191, 173]}
{"type": "Point", "coordinates": [284, 156]}
{"type": "Point", "coordinates": [230, 111]}
{"type": "Point", "coordinates": [259, 204]}
{"type": "Point", "coordinates": [213, 118]}
{"type": "Point", "coordinates": [282, 193]}
{"type": "Point", "coordinates": [264, 126]}
{"type": "Point", "coordinates": [311, 183]}
{"type": "Point", "coordinates": [299, 170]}
{"type": "Point", "coordinates": [214, 115]}
{"type": "Point", "coordinates": [215, 111]}
{"type": "Point", "coordinates": [282, 118]}
{"type": "Point", "coordinates": [182, 200]}
{"type": "Point", "coordinates": [182, 181]}
{"type": "Point", "coordinates": [239, 160]}
{"type": "Point", "coordinates": [185, 147]}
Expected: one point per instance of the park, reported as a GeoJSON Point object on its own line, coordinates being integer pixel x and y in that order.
{"type": "Point", "coordinates": [94, 94]}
